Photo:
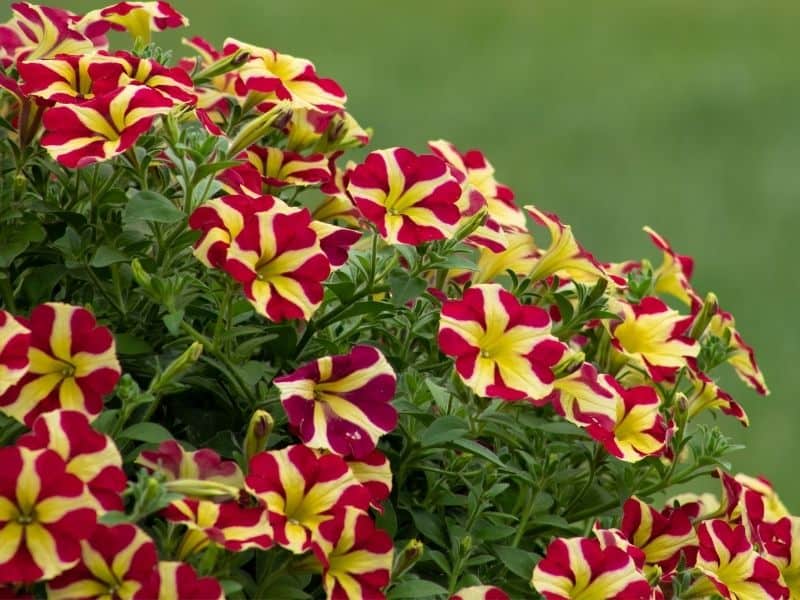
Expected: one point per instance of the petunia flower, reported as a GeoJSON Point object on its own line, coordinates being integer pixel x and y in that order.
{"type": "Point", "coordinates": [410, 198]}
{"type": "Point", "coordinates": [15, 342]}
{"type": "Point", "coordinates": [375, 473]}
{"type": "Point", "coordinates": [269, 76]}
{"type": "Point", "coordinates": [279, 262]}
{"type": "Point", "coordinates": [180, 581]}
{"type": "Point", "coordinates": [501, 348]}
{"type": "Point", "coordinates": [226, 524]}
{"type": "Point", "coordinates": [117, 561]}
{"type": "Point", "coordinates": [673, 276]}
{"type": "Point", "coordinates": [731, 567]}
{"type": "Point", "coordinates": [137, 18]}
{"type": "Point", "coordinates": [73, 364]}
{"type": "Point", "coordinates": [324, 132]}
{"type": "Point", "coordinates": [78, 135]}
{"type": "Point", "coordinates": [173, 462]}
{"type": "Point", "coordinates": [707, 395]}
{"type": "Point", "coordinates": [44, 515]}
{"type": "Point", "coordinates": [780, 544]}
{"type": "Point", "coordinates": [301, 490]}
{"type": "Point", "coordinates": [89, 455]}
{"type": "Point", "coordinates": [520, 256]}
{"type": "Point", "coordinates": [583, 568]}
{"type": "Point", "coordinates": [341, 403]}
{"type": "Point", "coordinates": [279, 168]}
{"type": "Point", "coordinates": [480, 592]}
{"type": "Point", "coordinates": [356, 556]}
{"type": "Point", "coordinates": [741, 355]}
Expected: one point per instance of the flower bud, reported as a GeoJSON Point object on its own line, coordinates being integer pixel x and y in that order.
{"type": "Point", "coordinates": [257, 128]}
{"type": "Point", "coordinates": [707, 312]}
{"type": "Point", "coordinates": [200, 488]}
{"type": "Point", "coordinates": [407, 558]}
{"type": "Point", "coordinates": [177, 367]}
{"type": "Point", "coordinates": [141, 276]}
{"type": "Point", "coordinates": [223, 65]}
{"type": "Point", "coordinates": [258, 431]}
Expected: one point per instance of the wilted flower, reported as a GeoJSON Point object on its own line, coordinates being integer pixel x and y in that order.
{"type": "Point", "coordinates": [341, 403]}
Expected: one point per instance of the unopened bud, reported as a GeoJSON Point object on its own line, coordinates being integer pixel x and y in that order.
{"type": "Point", "coordinates": [223, 65]}
{"type": "Point", "coordinates": [200, 488]}
{"type": "Point", "coordinates": [258, 431]}
{"type": "Point", "coordinates": [407, 558]}
{"type": "Point", "coordinates": [709, 309]}
{"type": "Point", "coordinates": [141, 276]}
{"type": "Point", "coordinates": [258, 127]}
{"type": "Point", "coordinates": [178, 366]}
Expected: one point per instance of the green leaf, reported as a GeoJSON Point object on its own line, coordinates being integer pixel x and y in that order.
{"type": "Point", "coordinates": [404, 287]}
{"type": "Point", "coordinates": [152, 433]}
{"type": "Point", "coordinates": [106, 255]}
{"type": "Point", "coordinates": [429, 526]}
{"type": "Point", "coordinates": [17, 239]}
{"type": "Point", "coordinates": [416, 588]}
{"type": "Point", "coordinates": [477, 449]}
{"type": "Point", "coordinates": [365, 308]}
{"type": "Point", "coordinates": [519, 562]}
{"type": "Point", "coordinates": [131, 345]}
{"type": "Point", "coordinates": [443, 430]}
{"type": "Point", "coordinates": [151, 206]}
{"type": "Point", "coordinates": [173, 321]}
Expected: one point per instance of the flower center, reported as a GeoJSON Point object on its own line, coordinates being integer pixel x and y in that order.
{"type": "Point", "coordinates": [68, 370]}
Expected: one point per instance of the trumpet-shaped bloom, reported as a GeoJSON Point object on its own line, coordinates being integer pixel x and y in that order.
{"type": "Point", "coordinates": [480, 592]}
{"type": "Point", "coordinates": [356, 556]}
{"type": "Point", "coordinates": [77, 135]}
{"type": "Point", "coordinates": [662, 536]}
{"type": "Point", "coordinates": [586, 397]}
{"type": "Point", "coordinates": [582, 568]}
{"type": "Point", "coordinates": [89, 455]}
{"type": "Point", "coordinates": [227, 524]}
{"type": "Point", "coordinates": [564, 256]}
{"type": "Point", "coordinates": [731, 567]}
{"type": "Point", "coordinates": [411, 199]}
{"type": "Point", "coordinates": [502, 349]}
{"type": "Point", "coordinates": [272, 76]}
{"type": "Point", "coordinates": [173, 462]}
{"type": "Point", "coordinates": [781, 546]}
{"type": "Point", "coordinates": [520, 256]}
{"type": "Point", "coordinates": [653, 336]}
{"type": "Point", "coordinates": [15, 342]}
{"type": "Point", "coordinates": [741, 355]}
{"type": "Point", "coordinates": [73, 364]}
{"type": "Point", "coordinates": [706, 394]}
{"type": "Point", "coordinates": [217, 95]}
{"type": "Point", "coordinates": [324, 131]}
{"type": "Point", "coordinates": [673, 276]}
{"type": "Point", "coordinates": [118, 561]}
{"type": "Point", "coordinates": [44, 515]}
{"type": "Point", "coordinates": [179, 581]}
{"type": "Point", "coordinates": [479, 175]}
{"type": "Point", "coordinates": [302, 490]}
{"type": "Point", "coordinates": [280, 168]}
{"type": "Point", "coordinates": [137, 18]}
{"type": "Point", "coordinates": [64, 79]}
{"type": "Point", "coordinates": [42, 32]}
{"type": "Point", "coordinates": [279, 262]}
{"type": "Point", "coordinates": [341, 403]}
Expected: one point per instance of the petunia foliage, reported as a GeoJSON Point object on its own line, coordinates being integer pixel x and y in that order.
{"type": "Point", "coordinates": [239, 359]}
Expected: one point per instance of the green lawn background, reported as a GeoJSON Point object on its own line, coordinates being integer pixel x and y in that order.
{"type": "Point", "coordinates": [679, 114]}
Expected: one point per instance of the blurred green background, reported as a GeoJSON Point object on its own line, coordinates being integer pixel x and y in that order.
{"type": "Point", "coordinates": [680, 114]}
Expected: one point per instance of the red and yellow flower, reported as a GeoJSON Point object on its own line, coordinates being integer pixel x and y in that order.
{"type": "Point", "coordinates": [731, 567]}
{"type": "Point", "coordinates": [410, 198]}
{"type": "Point", "coordinates": [324, 131]}
{"type": "Point", "coordinates": [341, 403]}
{"type": "Point", "coordinates": [741, 355]}
{"type": "Point", "coordinates": [173, 462]}
{"type": "Point", "coordinates": [226, 524]}
{"type": "Point", "coordinates": [271, 76]}
{"type": "Point", "coordinates": [44, 515]}
{"type": "Point", "coordinates": [78, 135]}
{"type": "Point", "coordinates": [179, 581]}
{"type": "Point", "coordinates": [15, 342]}
{"type": "Point", "coordinates": [375, 473]}
{"type": "Point", "coordinates": [480, 592]}
{"type": "Point", "coordinates": [279, 168]}
{"type": "Point", "coordinates": [706, 394]}
{"type": "Point", "coordinates": [118, 561]}
{"type": "Point", "coordinates": [781, 546]}
{"type": "Point", "coordinates": [582, 568]}
{"type": "Point", "coordinates": [502, 348]}
{"type": "Point", "coordinates": [673, 276]}
{"type": "Point", "coordinates": [301, 490]}
{"type": "Point", "coordinates": [89, 455]}
{"type": "Point", "coordinates": [137, 18]}
{"type": "Point", "coordinates": [279, 262]}
{"type": "Point", "coordinates": [73, 364]}
{"type": "Point", "coordinates": [520, 257]}
{"type": "Point", "coordinates": [356, 556]}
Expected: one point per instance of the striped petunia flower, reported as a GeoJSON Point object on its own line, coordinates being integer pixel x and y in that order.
{"type": "Point", "coordinates": [707, 395]}
{"type": "Point", "coordinates": [673, 276]}
{"type": "Point", "coordinates": [271, 76]}
{"type": "Point", "coordinates": [117, 561]}
{"type": "Point", "coordinates": [356, 556]}
{"type": "Point", "coordinates": [653, 337]}
{"type": "Point", "coordinates": [661, 535]}
{"type": "Point", "coordinates": [341, 403]}
{"type": "Point", "coordinates": [479, 175]}
{"type": "Point", "coordinates": [301, 490]}
{"type": "Point", "coordinates": [44, 515]}
{"type": "Point", "coordinates": [42, 32]}
{"type": "Point", "coordinates": [73, 364]}
{"type": "Point", "coordinates": [502, 349]}
{"type": "Point", "coordinates": [731, 567]}
{"type": "Point", "coordinates": [583, 568]}
{"type": "Point", "coordinates": [279, 261]}
{"type": "Point", "coordinates": [325, 132]}
{"type": "Point", "coordinates": [65, 79]}
{"type": "Point", "coordinates": [78, 135]}
{"type": "Point", "coordinates": [226, 524]}
{"type": "Point", "coordinates": [180, 581]}
{"type": "Point", "coordinates": [137, 18]}
{"type": "Point", "coordinates": [480, 592]}
{"type": "Point", "coordinates": [279, 168]}
{"type": "Point", "coordinates": [741, 355]}
{"type": "Point", "coordinates": [374, 472]}
{"type": "Point", "coordinates": [410, 198]}
{"type": "Point", "coordinates": [173, 462]}
{"type": "Point", "coordinates": [519, 257]}
{"type": "Point", "coordinates": [780, 544]}
{"type": "Point", "coordinates": [15, 342]}
{"type": "Point", "coordinates": [89, 455]}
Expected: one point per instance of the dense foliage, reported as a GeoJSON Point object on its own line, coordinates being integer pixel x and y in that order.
{"type": "Point", "coordinates": [232, 363]}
